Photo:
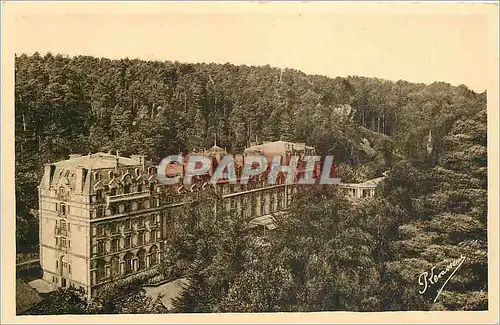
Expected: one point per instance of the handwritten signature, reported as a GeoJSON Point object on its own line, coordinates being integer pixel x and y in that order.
{"type": "Point", "coordinates": [427, 279]}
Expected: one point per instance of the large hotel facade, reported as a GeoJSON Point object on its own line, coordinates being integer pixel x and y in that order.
{"type": "Point", "coordinates": [104, 217]}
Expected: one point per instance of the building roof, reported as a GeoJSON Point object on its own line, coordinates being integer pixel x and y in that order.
{"type": "Point", "coordinates": [266, 221]}
{"type": "Point", "coordinates": [215, 148]}
{"type": "Point", "coordinates": [372, 183]}
{"type": "Point", "coordinates": [277, 148]}
{"type": "Point", "coordinates": [97, 161]}
{"type": "Point", "coordinates": [65, 171]}
{"type": "Point", "coordinates": [26, 297]}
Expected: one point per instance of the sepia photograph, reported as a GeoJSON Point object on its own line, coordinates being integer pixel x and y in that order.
{"type": "Point", "coordinates": [203, 158]}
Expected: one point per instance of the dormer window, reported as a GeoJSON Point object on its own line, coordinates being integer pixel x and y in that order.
{"type": "Point", "coordinates": [97, 176]}
{"type": "Point", "coordinates": [111, 174]}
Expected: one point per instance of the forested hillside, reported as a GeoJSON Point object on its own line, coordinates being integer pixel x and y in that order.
{"type": "Point", "coordinates": [432, 138]}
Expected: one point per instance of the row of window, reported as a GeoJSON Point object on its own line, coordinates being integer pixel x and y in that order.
{"type": "Point", "coordinates": [266, 202]}
{"type": "Point", "coordinates": [115, 227]}
{"type": "Point", "coordinates": [234, 188]}
{"type": "Point", "coordinates": [101, 270]}
{"type": "Point", "coordinates": [117, 244]}
{"type": "Point", "coordinates": [97, 176]}
{"type": "Point", "coordinates": [125, 207]}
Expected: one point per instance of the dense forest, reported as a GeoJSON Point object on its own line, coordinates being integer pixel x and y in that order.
{"type": "Point", "coordinates": [328, 254]}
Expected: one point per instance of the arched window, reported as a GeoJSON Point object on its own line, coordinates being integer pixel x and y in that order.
{"type": "Point", "coordinates": [115, 266]}
{"type": "Point", "coordinates": [141, 259]}
{"type": "Point", "coordinates": [128, 262]}
{"type": "Point", "coordinates": [153, 259]}
{"type": "Point", "coordinates": [101, 270]}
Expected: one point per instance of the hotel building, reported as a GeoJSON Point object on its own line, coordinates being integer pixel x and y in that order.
{"type": "Point", "coordinates": [104, 217]}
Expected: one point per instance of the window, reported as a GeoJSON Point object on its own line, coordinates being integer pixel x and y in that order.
{"type": "Point", "coordinates": [114, 228]}
{"type": "Point", "coordinates": [63, 209]}
{"type": "Point", "coordinates": [139, 187]}
{"type": "Point", "coordinates": [63, 242]}
{"type": "Point", "coordinates": [98, 195]}
{"type": "Point", "coordinates": [115, 245]}
{"type": "Point", "coordinates": [271, 202]}
{"type": "Point", "coordinates": [127, 207]}
{"type": "Point", "coordinates": [96, 176]}
{"type": "Point", "coordinates": [140, 239]}
{"type": "Point", "coordinates": [127, 224]}
{"type": "Point", "coordinates": [69, 268]}
{"type": "Point", "coordinates": [100, 247]}
{"type": "Point", "coordinates": [100, 230]}
{"type": "Point", "coordinates": [57, 265]}
{"type": "Point", "coordinates": [121, 208]}
{"type": "Point", "coordinates": [140, 222]}
{"type": "Point", "coordinates": [128, 263]}
{"type": "Point", "coordinates": [126, 188]}
{"type": "Point", "coordinates": [62, 224]}
{"type": "Point", "coordinates": [112, 191]}
{"type": "Point", "coordinates": [128, 242]}
{"type": "Point", "coordinates": [99, 212]}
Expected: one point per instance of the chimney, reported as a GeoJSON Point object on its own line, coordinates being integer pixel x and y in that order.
{"type": "Point", "coordinates": [141, 159]}
{"type": "Point", "coordinates": [80, 175]}
{"type": "Point", "coordinates": [49, 170]}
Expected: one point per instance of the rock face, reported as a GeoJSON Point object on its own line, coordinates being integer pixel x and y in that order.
{"type": "Point", "coordinates": [430, 146]}
{"type": "Point", "coordinates": [345, 111]}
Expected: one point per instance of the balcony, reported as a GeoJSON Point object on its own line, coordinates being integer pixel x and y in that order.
{"type": "Point", "coordinates": [61, 231]}
{"type": "Point", "coordinates": [62, 248]}
{"type": "Point", "coordinates": [127, 197]}
{"type": "Point", "coordinates": [62, 214]}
